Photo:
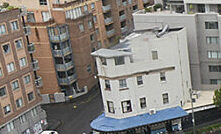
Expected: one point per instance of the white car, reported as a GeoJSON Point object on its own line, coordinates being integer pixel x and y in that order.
{"type": "Point", "coordinates": [49, 132]}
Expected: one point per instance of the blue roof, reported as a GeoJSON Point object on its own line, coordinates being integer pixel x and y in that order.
{"type": "Point", "coordinates": [107, 124]}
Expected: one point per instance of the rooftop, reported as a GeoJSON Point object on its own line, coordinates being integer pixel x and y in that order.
{"type": "Point", "coordinates": [107, 53]}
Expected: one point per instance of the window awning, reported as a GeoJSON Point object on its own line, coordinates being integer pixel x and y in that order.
{"type": "Point", "coordinates": [107, 124]}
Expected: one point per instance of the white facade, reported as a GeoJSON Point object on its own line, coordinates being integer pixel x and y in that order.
{"type": "Point", "coordinates": [163, 64]}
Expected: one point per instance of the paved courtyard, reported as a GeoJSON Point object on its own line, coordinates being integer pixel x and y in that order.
{"type": "Point", "coordinates": [74, 117]}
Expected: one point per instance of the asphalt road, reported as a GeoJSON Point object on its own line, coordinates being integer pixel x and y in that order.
{"type": "Point", "coordinates": [74, 117]}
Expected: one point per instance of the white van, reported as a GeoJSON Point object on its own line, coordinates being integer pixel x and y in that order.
{"type": "Point", "coordinates": [49, 132]}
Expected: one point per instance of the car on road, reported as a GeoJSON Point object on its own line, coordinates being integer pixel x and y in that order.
{"type": "Point", "coordinates": [49, 132]}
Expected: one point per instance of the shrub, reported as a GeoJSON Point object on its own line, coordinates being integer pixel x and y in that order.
{"type": "Point", "coordinates": [149, 9]}
{"type": "Point", "coordinates": [155, 7]}
{"type": "Point", "coordinates": [10, 7]}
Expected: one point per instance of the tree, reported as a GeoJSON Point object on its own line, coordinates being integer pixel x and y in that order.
{"type": "Point", "coordinates": [217, 97]}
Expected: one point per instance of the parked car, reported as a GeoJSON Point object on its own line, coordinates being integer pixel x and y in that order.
{"type": "Point", "coordinates": [49, 132]}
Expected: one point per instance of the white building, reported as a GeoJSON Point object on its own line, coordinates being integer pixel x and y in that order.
{"type": "Point", "coordinates": [143, 75]}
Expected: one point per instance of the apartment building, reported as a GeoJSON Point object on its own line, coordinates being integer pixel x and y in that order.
{"type": "Point", "coordinates": [64, 34]}
{"type": "Point", "coordinates": [143, 84]}
{"type": "Point", "coordinates": [203, 35]}
{"type": "Point", "coordinates": [20, 111]}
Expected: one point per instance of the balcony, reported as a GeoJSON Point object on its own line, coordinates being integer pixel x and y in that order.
{"type": "Point", "coordinates": [68, 80]}
{"type": "Point", "coordinates": [31, 48]}
{"type": "Point", "coordinates": [106, 8]}
{"type": "Point", "coordinates": [61, 53]}
{"type": "Point", "coordinates": [110, 33]}
{"type": "Point", "coordinates": [63, 67]}
{"type": "Point", "coordinates": [38, 82]}
{"type": "Point", "coordinates": [146, 1]}
{"type": "Point", "coordinates": [66, 50]}
{"type": "Point", "coordinates": [124, 29]}
{"type": "Point", "coordinates": [108, 20]}
{"type": "Point", "coordinates": [27, 30]}
{"type": "Point", "coordinates": [124, 3]}
{"type": "Point", "coordinates": [35, 65]}
{"type": "Point", "coordinates": [122, 17]}
{"type": "Point", "coordinates": [58, 38]}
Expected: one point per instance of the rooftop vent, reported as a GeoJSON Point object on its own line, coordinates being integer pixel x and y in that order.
{"type": "Point", "coordinates": [165, 29]}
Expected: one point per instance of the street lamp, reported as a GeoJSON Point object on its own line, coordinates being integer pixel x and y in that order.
{"type": "Point", "coordinates": [193, 118]}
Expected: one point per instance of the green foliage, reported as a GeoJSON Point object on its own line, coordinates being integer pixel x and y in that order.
{"type": "Point", "coordinates": [148, 9]}
{"type": "Point", "coordinates": [217, 97]}
{"type": "Point", "coordinates": [5, 5]}
{"type": "Point", "coordinates": [10, 7]}
{"type": "Point", "coordinates": [205, 130]}
{"type": "Point", "coordinates": [155, 7]}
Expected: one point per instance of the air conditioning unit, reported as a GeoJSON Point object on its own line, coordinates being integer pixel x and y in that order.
{"type": "Point", "coordinates": [152, 111]}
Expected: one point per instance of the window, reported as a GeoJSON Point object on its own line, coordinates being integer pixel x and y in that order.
{"type": "Point", "coordinates": [139, 80]}
{"type": "Point", "coordinates": [211, 25]}
{"type": "Point", "coordinates": [22, 118]}
{"type": "Point", "coordinates": [214, 68]}
{"type": "Point", "coordinates": [119, 60]}
{"type": "Point", "coordinates": [22, 62]}
{"type": "Point", "coordinates": [92, 6]}
{"type": "Point", "coordinates": [81, 27]}
{"type": "Point", "coordinates": [126, 106]}
{"type": "Point", "coordinates": [18, 44]}
{"type": "Point", "coordinates": [33, 112]}
{"type": "Point", "coordinates": [92, 38]}
{"type": "Point", "coordinates": [10, 67]}
{"type": "Point", "coordinates": [15, 85]}
{"type": "Point", "coordinates": [27, 79]}
{"type": "Point", "coordinates": [143, 103]}
{"type": "Point", "coordinates": [10, 126]}
{"type": "Point", "coordinates": [90, 25]}
{"type": "Point", "coordinates": [94, 19]}
{"type": "Point", "coordinates": [165, 98]}
{"type": "Point", "coordinates": [215, 81]}
{"type": "Point", "coordinates": [85, 8]}
{"type": "Point", "coordinates": [162, 76]}
{"type": "Point", "coordinates": [97, 31]}
{"type": "Point", "coordinates": [30, 17]}
{"type": "Point", "coordinates": [2, 91]}
{"type": "Point", "coordinates": [30, 96]}
{"type": "Point", "coordinates": [43, 2]}
{"type": "Point", "coordinates": [214, 54]}
{"type": "Point", "coordinates": [154, 55]}
{"type": "Point", "coordinates": [2, 29]}
{"type": "Point", "coordinates": [1, 73]}
{"type": "Point", "coordinates": [107, 85]}
{"type": "Point", "coordinates": [212, 40]}
{"type": "Point", "coordinates": [6, 48]}
{"type": "Point", "coordinates": [110, 106]}
{"type": "Point", "coordinates": [122, 83]}
{"type": "Point", "coordinates": [14, 25]}
{"type": "Point", "coordinates": [19, 103]}
{"type": "Point", "coordinates": [89, 69]}
{"type": "Point", "coordinates": [45, 16]}
{"type": "Point", "coordinates": [103, 61]}
{"type": "Point", "coordinates": [7, 109]}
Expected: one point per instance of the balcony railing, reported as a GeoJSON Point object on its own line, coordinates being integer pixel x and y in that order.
{"type": "Point", "coordinates": [27, 30]}
{"type": "Point", "coordinates": [57, 53]}
{"type": "Point", "coordinates": [124, 29]}
{"type": "Point", "coordinates": [38, 82]}
{"type": "Point", "coordinates": [66, 50]}
{"type": "Point", "coordinates": [106, 8]}
{"type": "Point", "coordinates": [35, 64]}
{"type": "Point", "coordinates": [60, 53]}
{"type": "Point", "coordinates": [108, 20]}
{"type": "Point", "coordinates": [31, 48]}
{"type": "Point", "coordinates": [124, 3]}
{"type": "Point", "coordinates": [110, 33]}
{"type": "Point", "coordinates": [67, 80]}
{"type": "Point", "coordinates": [57, 38]}
{"type": "Point", "coordinates": [122, 17]}
{"type": "Point", "coordinates": [62, 67]}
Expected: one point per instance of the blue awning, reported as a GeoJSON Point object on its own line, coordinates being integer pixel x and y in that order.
{"type": "Point", "coordinates": [107, 124]}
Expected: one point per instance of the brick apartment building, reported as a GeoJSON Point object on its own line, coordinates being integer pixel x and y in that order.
{"type": "Point", "coordinates": [66, 32]}
{"type": "Point", "coordinates": [20, 110]}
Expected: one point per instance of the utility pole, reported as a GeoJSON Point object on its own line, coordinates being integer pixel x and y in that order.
{"type": "Point", "coordinates": [193, 118]}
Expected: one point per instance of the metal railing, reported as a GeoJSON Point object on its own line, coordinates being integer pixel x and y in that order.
{"type": "Point", "coordinates": [67, 80]}
{"type": "Point", "coordinates": [27, 30]}
{"type": "Point", "coordinates": [110, 32]}
{"type": "Point", "coordinates": [64, 66]}
{"type": "Point", "coordinates": [31, 48]}
{"type": "Point", "coordinates": [124, 3]}
{"type": "Point", "coordinates": [108, 20]}
{"type": "Point", "coordinates": [35, 64]}
{"type": "Point", "coordinates": [124, 29]}
{"type": "Point", "coordinates": [106, 8]}
{"type": "Point", "coordinates": [38, 82]}
{"type": "Point", "coordinates": [57, 38]}
{"type": "Point", "coordinates": [122, 17]}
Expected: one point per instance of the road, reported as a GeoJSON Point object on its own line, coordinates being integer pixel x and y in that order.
{"type": "Point", "coordinates": [75, 116]}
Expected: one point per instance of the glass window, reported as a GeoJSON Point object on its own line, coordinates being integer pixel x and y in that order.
{"type": "Point", "coordinates": [110, 106]}
{"type": "Point", "coordinates": [154, 55]}
{"type": "Point", "coordinates": [165, 98]}
{"type": "Point", "coordinates": [27, 79]}
{"type": "Point", "coordinates": [45, 16]}
{"type": "Point", "coordinates": [30, 96]}
{"type": "Point", "coordinates": [1, 73]}
{"type": "Point", "coordinates": [85, 8]}
{"type": "Point", "coordinates": [103, 61]}
{"type": "Point", "coordinates": [139, 80]}
{"type": "Point", "coordinates": [95, 18]}
{"type": "Point", "coordinates": [143, 103]}
{"type": "Point", "coordinates": [10, 126]}
{"type": "Point", "coordinates": [89, 69]}
{"type": "Point", "coordinates": [90, 24]}
{"type": "Point", "coordinates": [43, 2]}
{"type": "Point", "coordinates": [107, 85]}
{"type": "Point", "coordinates": [30, 17]}
{"type": "Point", "coordinates": [119, 60]}
{"type": "Point", "coordinates": [2, 91]}
{"type": "Point", "coordinates": [92, 37]}
{"type": "Point", "coordinates": [81, 27]}
{"type": "Point", "coordinates": [15, 85]}
{"type": "Point", "coordinates": [92, 6]}
{"type": "Point", "coordinates": [23, 118]}
{"type": "Point", "coordinates": [14, 25]}
{"type": "Point", "coordinates": [22, 62]}
{"type": "Point", "coordinates": [214, 68]}
{"type": "Point", "coordinates": [162, 76]}
{"type": "Point", "coordinates": [215, 81]}
{"type": "Point", "coordinates": [33, 112]}
{"type": "Point", "coordinates": [211, 25]}
{"type": "Point", "coordinates": [6, 48]}
{"type": "Point", "coordinates": [2, 29]}
{"type": "Point", "coordinates": [122, 83]}
{"type": "Point", "coordinates": [212, 40]}
{"type": "Point", "coordinates": [7, 109]}
{"type": "Point", "coordinates": [214, 54]}
{"type": "Point", "coordinates": [19, 103]}
{"type": "Point", "coordinates": [18, 44]}
{"type": "Point", "coordinates": [126, 106]}
{"type": "Point", "coordinates": [10, 67]}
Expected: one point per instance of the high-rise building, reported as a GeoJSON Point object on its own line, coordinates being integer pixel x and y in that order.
{"type": "Point", "coordinates": [20, 111]}
{"type": "Point", "coordinates": [65, 32]}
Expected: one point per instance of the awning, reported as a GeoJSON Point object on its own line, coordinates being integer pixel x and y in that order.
{"type": "Point", "coordinates": [107, 124]}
